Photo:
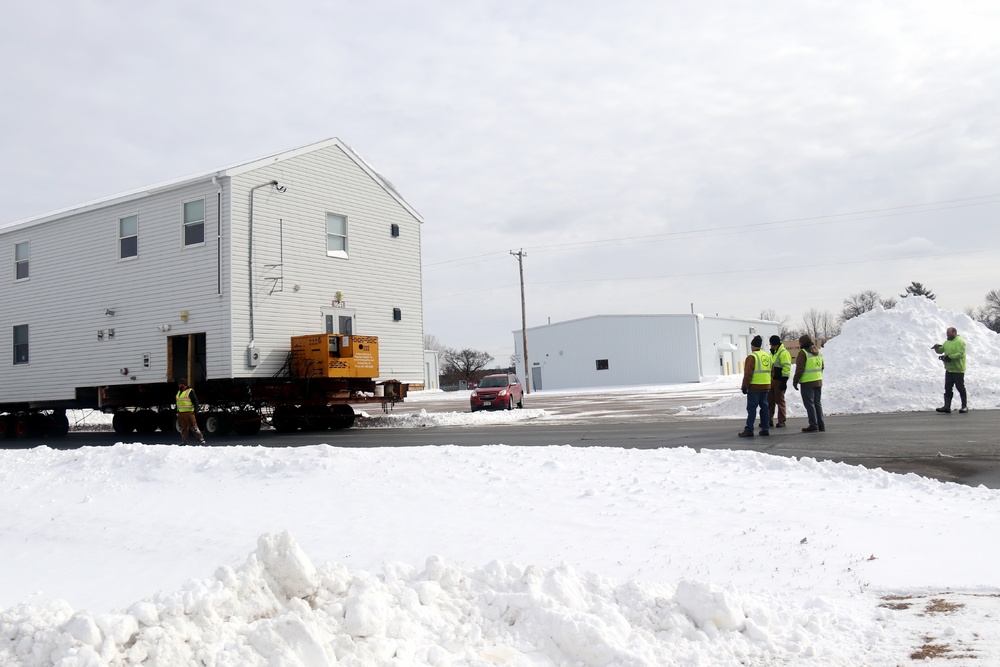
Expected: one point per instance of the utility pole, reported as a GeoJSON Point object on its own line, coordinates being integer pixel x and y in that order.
{"type": "Point", "coordinates": [520, 254]}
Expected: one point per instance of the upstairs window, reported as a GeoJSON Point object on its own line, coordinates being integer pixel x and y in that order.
{"type": "Point", "coordinates": [128, 236]}
{"type": "Point", "coordinates": [22, 253]}
{"type": "Point", "coordinates": [194, 222]}
{"type": "Point", "coordinates": [21, 344]}
{"type": "Point", "coordinates": [336, 235]}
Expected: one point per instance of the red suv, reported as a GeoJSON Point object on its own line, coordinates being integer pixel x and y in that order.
{"type": "Point", "coordinates": [497, 392]}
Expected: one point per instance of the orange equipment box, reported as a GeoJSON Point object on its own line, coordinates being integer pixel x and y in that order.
{"type": "Point", "coordinates": [334, 356]}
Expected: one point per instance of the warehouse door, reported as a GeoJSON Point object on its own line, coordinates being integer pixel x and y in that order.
{"type": "Point", "coordinates": [186, 358]}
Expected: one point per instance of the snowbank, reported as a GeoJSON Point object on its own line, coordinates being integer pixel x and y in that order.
{"type": "Point", "coordinates": [883, 362]}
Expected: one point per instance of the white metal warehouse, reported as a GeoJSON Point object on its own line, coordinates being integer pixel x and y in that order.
{"type": "Point", "coordinates": [222, 267]}
{"type": "Point", "coordinates": [624, 350]}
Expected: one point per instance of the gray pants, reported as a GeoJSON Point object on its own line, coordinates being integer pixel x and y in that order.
{"type": "Point", "coordinates": [812, 399]}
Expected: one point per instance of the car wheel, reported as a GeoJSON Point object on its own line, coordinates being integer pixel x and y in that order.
{"type": "Point", "coordinates": [510, 402]}
{"type": "Point", "coordinates": [520, 402]}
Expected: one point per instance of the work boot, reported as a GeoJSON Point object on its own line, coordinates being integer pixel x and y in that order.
{"type": "Point", "coordinates": [779, 425]}
{"type": "Point", "coordinates": [765, 432]}
{"type": "Point", "coordinates": [745, 434]}
{"type": "Point", "coordinates": [810, 429]}
{"type": "Point", "coordinates": [947, 405]}
{"type": "Point", "coordinates": [945, 410]}
{"type": "Point", "coordinates": [963, 410]}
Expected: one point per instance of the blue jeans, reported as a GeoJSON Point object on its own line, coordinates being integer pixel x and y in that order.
{"type": "Point", "coordinates": [757, 400]}
{"type": "Point", "coordinates": [812, 399]}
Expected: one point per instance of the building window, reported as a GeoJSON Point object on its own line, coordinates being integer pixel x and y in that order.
{"type": "Point", "coordinates": [21, 344]}
{"type": "Point", "coordinates": [194, 222]}
{"type": "Point", "coordinates": [336, 235]}
{"type": "Point", "coordinates": [128, 236]}
{"type": "Point", "coordinates": [602, 364]}
{"type": "Point", "coordinates": [394, 230]}
{"type": "Point", "coordinates": [22, 253]}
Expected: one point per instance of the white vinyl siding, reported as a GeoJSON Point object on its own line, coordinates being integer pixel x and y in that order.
{"type": "Point", "coordinates": [22, 257]}
{"type": "Point", "coordinates": [73, 284]}
{"type": "Point", "coordinates": [289, 228]}
{"type": "Point", "coordinates": [144, 296]}
{"type": "Point", "coordinates": [128, 237]}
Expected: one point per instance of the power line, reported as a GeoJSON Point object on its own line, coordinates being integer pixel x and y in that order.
{"type": "Point", "coordinates": [703, 274]}
{"type": "Point", "coordinates": [908, 209]}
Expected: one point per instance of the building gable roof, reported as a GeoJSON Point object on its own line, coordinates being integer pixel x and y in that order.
{"type": "Point", "coordinates": [231, 170]}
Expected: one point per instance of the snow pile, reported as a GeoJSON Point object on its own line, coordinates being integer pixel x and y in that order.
{"type": "Point", "coordinates": [278, 609]}
{"type": "Point", "coordinates": [542, 556]}
{"type": "Point", "coordinates": [883, 362]}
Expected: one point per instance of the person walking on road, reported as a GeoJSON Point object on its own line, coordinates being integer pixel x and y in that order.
{"type": "Point", "coordinates": [756, 384]}
{"type": "Point", "coordinates": [187, 406]}
{"type": "Point", "coordinates": [809, 374]}
{"type": "Point", "coordinates": [781, 370]}
{"type": "Point", "coordinates": [952, 353]}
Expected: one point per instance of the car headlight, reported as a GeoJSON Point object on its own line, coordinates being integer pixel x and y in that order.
{"type": "Point", "coordinates": [503, 392]}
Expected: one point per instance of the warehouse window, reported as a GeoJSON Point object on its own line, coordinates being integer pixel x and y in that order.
{"type": "Point", "coordinates": [336, 235]}
{"type": "Point", "coordinates": [194, 222]}
{"type": "Point", "coordinates": [22, 253]}
{"type": "Point", "coordinates": [128, 236]}
{"type": "Point", "coordinates": [20, 343]}
{"type": "Point", "coordinates": [602, 364]}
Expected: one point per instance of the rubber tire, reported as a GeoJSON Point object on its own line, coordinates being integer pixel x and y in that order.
{"type": "Point", "coordinates": [167, 420]}
{"type": "Point", "coordinates": [58, 424]}
{"type": "Point", "coordinates": [216, 423]}
{"type": "Point", "coordinates": [145, 421]}
{"type": "Point", "coordinates": [247, 422]}
{"type": "Point", "coordinates": [123, 422]}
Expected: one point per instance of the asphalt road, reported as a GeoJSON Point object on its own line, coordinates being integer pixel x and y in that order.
{"type": "Point", "coordinates": [952, 448]}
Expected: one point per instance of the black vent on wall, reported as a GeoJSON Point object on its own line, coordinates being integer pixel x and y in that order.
{"type": "Point", "coordinates": [397, 314]}
{"type": "Point", "coordinates": [394, 228]}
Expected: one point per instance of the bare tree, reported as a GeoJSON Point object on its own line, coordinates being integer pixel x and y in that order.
{"type": "Point", "coordinates": [431, 342]}
{"type": "Point", "coordinates": [917, 289]}
{"type": "Point", "coordinates": [820, 325]}
{"type": "Point", "coordinates": [464, 364]}
{"type": "Point", "coordinates": [862, 302]}
{"type": "Point", "coordinates": [989, 314]}
{"type": "Point", "coordinates": [785, 332]}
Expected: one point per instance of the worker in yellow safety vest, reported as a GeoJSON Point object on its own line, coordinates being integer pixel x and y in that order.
{"type": "Point", "coordinates": [187, 405]}
{"type": "Point", "coordinates": [781, 372]}
{"type": "Point", "coordinates": [809, 373]}
{"type": "Point", "coordinates": [756, 385]}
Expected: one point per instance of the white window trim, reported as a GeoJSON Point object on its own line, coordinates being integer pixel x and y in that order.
{"type": "Point", "coordinates": [204, 223]}
{"type": "Point", "coordinates": [120, 238]}
{"type": "Point", "coordinates": [16, 261]}
{"type": "Point", "coordinates": [342, 254]}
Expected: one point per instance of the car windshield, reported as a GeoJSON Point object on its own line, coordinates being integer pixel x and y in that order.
{"type": "Point", "coordinates": [493, 382]}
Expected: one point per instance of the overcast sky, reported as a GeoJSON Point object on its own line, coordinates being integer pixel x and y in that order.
{"type": "Point", "coordinates": [737, 156]}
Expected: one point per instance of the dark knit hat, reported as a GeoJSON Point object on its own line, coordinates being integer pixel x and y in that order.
{"type": "Point", "coordinates": [805, 342]}
{"type": "Point", "coordinates": [774, 340]}
{"type": "Point", "coordinates": [757, 341]}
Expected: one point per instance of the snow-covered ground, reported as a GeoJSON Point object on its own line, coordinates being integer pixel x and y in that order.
{"type": "Point", "coordinates": [160, 555]}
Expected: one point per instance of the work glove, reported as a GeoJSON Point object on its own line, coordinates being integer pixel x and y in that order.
{"type": "Point", "coordinates": [795, 385]}
{"type": "Point", "coordinates": [944, 357]}
{"type": "Point", "coordinates": [744, 391]}
{"type": "Point", "coordinates": [784, 384]}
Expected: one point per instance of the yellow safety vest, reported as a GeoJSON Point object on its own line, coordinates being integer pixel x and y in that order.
{"type": "Point", "coordinates": [814, 367]}
{"type": "Point", "coordinates": [783, 360]}
{"type": "Point", "coordinates": [761, 368]}
{"type": "Point", "coordinates": [184, 402]}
